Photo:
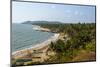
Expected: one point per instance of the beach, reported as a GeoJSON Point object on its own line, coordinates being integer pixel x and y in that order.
{"type": "Point", "coordinates": [39, 47]}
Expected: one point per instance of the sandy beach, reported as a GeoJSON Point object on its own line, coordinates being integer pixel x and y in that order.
{"type": "Point", "coordinates": [41, 46]}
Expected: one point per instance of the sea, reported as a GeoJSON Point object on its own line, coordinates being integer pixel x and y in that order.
{"type": "Point", "coordinates": [24, 36]}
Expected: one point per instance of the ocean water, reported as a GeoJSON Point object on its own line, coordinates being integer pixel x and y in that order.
{"type": "Point", "coordinates": [23, 36]}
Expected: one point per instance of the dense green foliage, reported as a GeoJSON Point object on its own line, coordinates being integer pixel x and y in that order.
{"type": "Point", "coordinates": [82, 37]}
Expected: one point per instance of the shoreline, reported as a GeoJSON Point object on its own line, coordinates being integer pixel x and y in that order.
{"type": "Point", "coordinates": [38, 46]}
{"type": "Point", "coordinates": [39, 28]}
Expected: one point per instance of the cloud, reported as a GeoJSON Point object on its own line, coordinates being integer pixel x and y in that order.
{"type": "Point", "coordinates": [53, 6]}
{"type": "Point", "coordinates": [68, 11]}
{"type": "Point", "coordinates": [78, 13]}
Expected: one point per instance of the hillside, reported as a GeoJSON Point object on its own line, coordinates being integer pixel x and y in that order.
{"type": "Point", "coordinates": [41, 22]}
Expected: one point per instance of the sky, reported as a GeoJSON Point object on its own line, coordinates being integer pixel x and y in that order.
{"type": "Point", "coordinates": [31, 11]}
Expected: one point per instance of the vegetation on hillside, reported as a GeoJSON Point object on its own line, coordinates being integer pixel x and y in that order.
{"type": "Point", "coordinates": [82, 41]}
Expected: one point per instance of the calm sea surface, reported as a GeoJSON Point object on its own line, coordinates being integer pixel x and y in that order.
{"type": "Point", "coordinates": [23, 36]}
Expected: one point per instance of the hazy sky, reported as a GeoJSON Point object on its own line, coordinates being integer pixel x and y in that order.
{"type": "Point", "coordinates": [27, 11]}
